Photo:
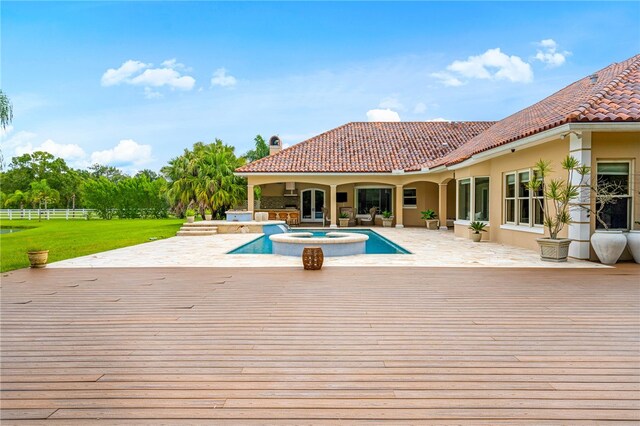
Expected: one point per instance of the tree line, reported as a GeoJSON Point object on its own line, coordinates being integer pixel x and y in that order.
{"type": "Point", "coordinates": [201, 179]}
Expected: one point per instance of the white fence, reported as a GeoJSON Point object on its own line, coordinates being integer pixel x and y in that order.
{"type": "Point", "coordinates": [48, 214]}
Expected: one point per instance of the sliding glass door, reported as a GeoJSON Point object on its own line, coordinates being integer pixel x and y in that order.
{"type": "Point", "coordinates": [312, 204]}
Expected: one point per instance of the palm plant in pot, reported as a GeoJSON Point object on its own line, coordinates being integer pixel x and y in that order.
{"type": "Point", "coordinates": [430, 219]}
{"type": "Point", "coordinates": [191, 215]}
{"type": "Point", "coordinates": [387, 219]}
{"type": "Point", "coordinates": [477, 227]}
{"type": "Point", "coordinates": [554, 204]}
{"type": "Point", "coordinates": [208, 214]}
{"type": "Point", "coordinates": [344, 219]}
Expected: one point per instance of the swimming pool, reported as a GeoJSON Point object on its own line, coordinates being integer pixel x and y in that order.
{"type": "Point", "coordinates": [376, 244]}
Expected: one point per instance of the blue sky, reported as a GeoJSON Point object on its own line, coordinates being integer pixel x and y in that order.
{"type": "Point", "coordinates": [131, 84]}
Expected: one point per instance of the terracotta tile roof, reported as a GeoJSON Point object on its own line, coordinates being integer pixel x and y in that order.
{"type": "Point", "coordinates": [614, 96]}
{"type": "Point", "coordinates": [363, 147]}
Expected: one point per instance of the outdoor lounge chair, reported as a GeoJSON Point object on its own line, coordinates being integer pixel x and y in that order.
{"type": "Point", "coordinates": [371, 220]}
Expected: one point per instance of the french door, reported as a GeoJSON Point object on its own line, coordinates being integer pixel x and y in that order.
{"type": "Point", "coordinates": [312, 204]}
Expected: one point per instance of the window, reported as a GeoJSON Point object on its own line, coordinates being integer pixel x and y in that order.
{"type": "Point", "coordinates": [521, 205]}
{"type": "Point", "coordinates": [473, 199]}
{"type": "Point", "coordinates": [409, 197]}
{"type": "Point", "coordinates": [613, 178]}
{"type": "Point", "coordinates": [464, 199]}
{"type": "Point", "coordinates": [481, 199]}
{"type": "Point", "coordinates": [366, 198]}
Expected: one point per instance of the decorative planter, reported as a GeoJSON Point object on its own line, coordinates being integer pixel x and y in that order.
{"type": "Point", "coordinates": [387, 222]}
{"type": "Point", "coordinates": [476, 237]}
{"type": "Point", "coordinates": [191, 219]}
{"type": "Point", "coordinates": [431, 223]}
{"type": "Point", "coordinates": [207, 216]}
{"type": "Point", "coordinates": [608, 245]}
{"type": "Point", "coordinates": [633, 241]}
{"type": "Point", "coordinates": [344, 222]}
{"type": "Point", "coordinates": [312, 258]}
{"type": "Point", "coordinates": [38, 259]}
{"type": "Point", "coordinates": [554, 250]}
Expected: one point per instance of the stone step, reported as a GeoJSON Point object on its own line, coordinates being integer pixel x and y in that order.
{"type": "Point", "coordinates": [199, 228]}
{"type": "Point", "coordinates": [197, 224]}
{"type": "Point", "coordinates": [195, 233]}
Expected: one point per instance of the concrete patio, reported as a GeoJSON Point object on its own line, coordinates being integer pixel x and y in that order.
{"type": "Point", "coordinates": [428, 248]}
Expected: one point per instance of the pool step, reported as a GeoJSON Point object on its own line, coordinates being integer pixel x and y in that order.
{"type": "Point", "coordinates": [197, 229]}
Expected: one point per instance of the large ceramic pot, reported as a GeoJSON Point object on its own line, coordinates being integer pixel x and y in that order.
{"type": "Point", "coordinates": [387, 222]}
{"type": "Point", "coordinates": [633, 241]}
{"type": "Point", "coordinates": [608, 245]}
{"type": "Point", "coordinates": [191, 219]}
{"type": "Point", "coordinates": [38, 258]}
{"type": "Point", "coordinates": [476, 237]}
{"type": "Point", "coordinates": [344, 222]}
{"type": "Point", "coordinates": [554, 250]}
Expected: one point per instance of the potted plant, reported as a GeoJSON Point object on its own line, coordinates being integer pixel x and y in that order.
{"type": "Point", "coordinates": [387, 219]}
{"type": "Point", "coordinates": [556, 195]}
{"type": "Point", "coordinates": [633, 240]}
{"type": "Point", "coordinates": [477, 227]}
{"type": "Point", "coordinates": [430, 219]}
{"type": "Point", "coordinates": [191, 215]}
{"type": "Point", "coordinates": [344, 219]}
{"type": "Point", "coordinates": [38, 257]}
{"type": "Point", "coordinates": [208, 214]}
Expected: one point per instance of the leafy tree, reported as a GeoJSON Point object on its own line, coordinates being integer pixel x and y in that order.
{"type": "Point", "coordinates": [43, 195]}
{"type": "Point", "coordinates": [100, 194]}
{"type": "Point", "coordinates": [18, 199]}
{"type": "Point", "coordinates": [150, 174]}
{"type": "Point", "coordinates": [6, 110]}
{"type": "Point", "coordinates": [261, 150]}
{"type": "Point", "coordinates": [112, 173]}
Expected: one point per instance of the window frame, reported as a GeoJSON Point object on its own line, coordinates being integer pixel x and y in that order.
{"type": "Point", "coordinates": [415, 198]}
{"type": "Point", "coordinates": [379, 187]}
{"type": "Point", "coordinates": [531, 199]}
{"type": "Point", "coordinates": [628, 195]}
{"type": "Point", "coordinates": [472, 199]}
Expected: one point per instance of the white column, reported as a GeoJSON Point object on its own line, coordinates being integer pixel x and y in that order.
{"type": "Point", "coordinates": [580, 227]}
{"type": "Point", "coordinates": [399, 205]}
{"type": "Point", "coordinates": [250, 202]}
{"type": "Point", "coordinates": [442, 205]}
{"type": "Point", "coordinates": [334, 207]}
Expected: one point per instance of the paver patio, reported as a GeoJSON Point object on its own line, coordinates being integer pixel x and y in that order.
{"type": "Point", "coordinates": [340, 345]}
{"type": "Point", "coordinates": [428, 248]}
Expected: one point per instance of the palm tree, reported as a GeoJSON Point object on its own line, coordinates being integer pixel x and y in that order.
{"type": "Point", "coordinates": [41, 193]}
{"type": "Point", "coordinates": [6, 110]}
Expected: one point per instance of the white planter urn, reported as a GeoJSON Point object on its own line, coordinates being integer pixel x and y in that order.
{"type": "Point", "coordinates": [387, 222]}
{"type": "Point", "coordinates": [608, 245]}
{"type": "Point", "coordinates": [633, 241]}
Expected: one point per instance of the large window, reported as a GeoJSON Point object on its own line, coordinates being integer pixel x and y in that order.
{"type": "Point", "coordinates": [473, 199]}
{"type": "Point", "coordinates": [613, 178]}
{"type": "Point", "coordinates": [409, 198]}
{"type": "Point", "coordinates": [521, 205]}
{"type": "Point", "coordinates": [366, 198]}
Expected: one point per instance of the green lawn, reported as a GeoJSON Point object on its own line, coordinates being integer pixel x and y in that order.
{"type": "Point", "coordinates": [73, 238]}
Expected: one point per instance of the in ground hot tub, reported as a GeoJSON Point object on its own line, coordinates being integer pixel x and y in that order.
{"type": "Point", "coordinates": [333, 244]}
{"type": "Point", "coordinates": [239, 216]}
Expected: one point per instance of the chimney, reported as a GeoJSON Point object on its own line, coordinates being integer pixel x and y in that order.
{"type": "Point", "coordinates": [275, 145]}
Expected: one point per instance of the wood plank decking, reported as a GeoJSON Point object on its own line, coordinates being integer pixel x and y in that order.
{"type": "Point", "coordinates": [338, 346]}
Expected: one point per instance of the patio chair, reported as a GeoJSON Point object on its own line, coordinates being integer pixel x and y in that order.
{"type": "Point", "coordinates": [325, 216]}
{"type": "Point", "coordinates": [371, 220]}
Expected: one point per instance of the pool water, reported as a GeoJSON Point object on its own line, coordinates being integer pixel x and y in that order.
{"type": "Point", "coordinates": [376, 244]}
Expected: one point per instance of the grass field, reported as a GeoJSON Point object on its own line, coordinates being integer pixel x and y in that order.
{"type": "Point", "coordinates": [68, 239]}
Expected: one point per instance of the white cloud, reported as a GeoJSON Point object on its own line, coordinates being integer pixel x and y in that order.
{"type": "Point", "coordinates": [548, 53]}
{"type": "Point", "coordinates": [70, 152]}
{"type": "Point", "coordinates": [420, 108]}
{"type": "Point", "coordinates": [169, 75]}
{"type": "Point", "coordinates": [439, 120]}
{"type": "Point", "coordinates": [382, 115]}
{"type": "Point", "coordinates": [491, 65]}
{"type": "Point", "coordinates": [220, 78]}
{"type": "Point", "coordinates": [391, 102]}
{"type": "Point", "coordinates": [112, 76]}
{"type": "Point", "coordinates": [447, 79]}
{"type": "Point", "coordinates": [128, 152]}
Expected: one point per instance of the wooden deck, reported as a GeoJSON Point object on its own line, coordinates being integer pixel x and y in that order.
{"type": "Point", "coordinates": [337, 346]}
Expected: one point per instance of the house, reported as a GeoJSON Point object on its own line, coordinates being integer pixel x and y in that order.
{"type": "Point", "coordinates": [468, 171]}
